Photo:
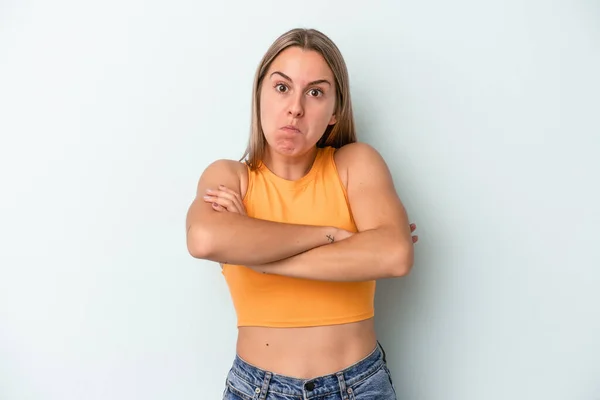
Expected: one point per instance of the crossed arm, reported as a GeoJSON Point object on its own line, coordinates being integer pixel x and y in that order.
{"type": "Point", "coordinates": [382, 248]}
{"type": "Point", "coordinates": [232, 237]}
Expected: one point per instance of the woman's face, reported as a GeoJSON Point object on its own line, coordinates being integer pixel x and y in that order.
{"type": "Point", "coordinates": [298, 90]}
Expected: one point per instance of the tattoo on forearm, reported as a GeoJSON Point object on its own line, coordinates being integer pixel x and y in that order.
{"type": "Point", "coordinates": [331, 239]}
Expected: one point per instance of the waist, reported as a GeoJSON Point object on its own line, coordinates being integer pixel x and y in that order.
{"type": "Point", "coordinates": [244, 373]}
{"type": "Point", "coordinates": [306, 352]}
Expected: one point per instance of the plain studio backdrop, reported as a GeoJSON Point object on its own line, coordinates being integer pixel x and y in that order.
{"type": "Point", "coordinates": [486, 112]}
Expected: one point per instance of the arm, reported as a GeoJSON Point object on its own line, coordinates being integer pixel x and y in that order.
{"type": "Point", "coordinates": [238, 239]}
{"type": "Point", "coordinates": [383, 246]}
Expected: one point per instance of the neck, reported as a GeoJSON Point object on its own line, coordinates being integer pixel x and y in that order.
{"type": "Point", "coordinates": [289, 167]}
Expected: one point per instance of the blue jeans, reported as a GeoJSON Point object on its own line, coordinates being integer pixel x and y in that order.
{"type": "Point", "coordinates": [368, 379]}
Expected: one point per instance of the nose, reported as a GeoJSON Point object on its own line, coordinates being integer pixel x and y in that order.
{"type": "Point", "coordinates": [295, 107]}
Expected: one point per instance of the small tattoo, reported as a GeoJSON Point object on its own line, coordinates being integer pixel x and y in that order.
{"type": "Point", "coordinates": [331, 239]}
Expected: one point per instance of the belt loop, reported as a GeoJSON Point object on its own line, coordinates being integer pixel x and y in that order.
{"type": "Point", "coordinates": [265, 386]}
{"type": "Point", "coordinates": [342, 382]}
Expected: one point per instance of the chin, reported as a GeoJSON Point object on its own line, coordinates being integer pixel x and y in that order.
{"type": "Point", "coordinates": [286, 147]}
{"type": "Point", "coordinates": [289, 145]}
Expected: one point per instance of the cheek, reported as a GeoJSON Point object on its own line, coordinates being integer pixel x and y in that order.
{"type": "Point", "coordinates": [265, 111]}
{"type": "Point", "coordinates": [267, 104]}
{"type": "Point", "coordinates": [266, 117]}
{"type": "Point", "coordinates": [271, 110]}
{"type": "Point", "coordinates": [321, 113]}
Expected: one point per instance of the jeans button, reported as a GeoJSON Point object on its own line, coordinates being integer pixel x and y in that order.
{"type": "Point", "coordinates": [309, 385]}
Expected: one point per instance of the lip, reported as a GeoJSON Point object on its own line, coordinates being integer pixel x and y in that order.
{"type": "Point", "coordinates": [291, 128]}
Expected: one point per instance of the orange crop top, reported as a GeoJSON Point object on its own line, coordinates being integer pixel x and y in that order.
{"type": "Point", "coordinates": [318, 198]}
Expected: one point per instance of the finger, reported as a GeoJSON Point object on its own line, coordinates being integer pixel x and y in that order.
{"type": "Point", "coordinates": [229, 195]}
{"type": "Point", "coordinates": [413, 227]}
{"type": "Point", "coordinates": [236, 196]}
{"type": "Point", "coordinates": [232, 192]}
{"type": "Point", "coordinates": [226, 193]}
{"type": "Point", "coordinates": [225, 203]}
{"type": "Point", "coordinates": [210, 199]}
{"type": "Point", "coordinates": [219, 199]}
{"type": "Point", "coordinates": [415, 239]}
{"type": "Point", "coordinates": [218, 192]}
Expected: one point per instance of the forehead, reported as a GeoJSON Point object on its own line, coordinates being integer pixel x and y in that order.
{"type": "Point", "coordinates": [301, 65]}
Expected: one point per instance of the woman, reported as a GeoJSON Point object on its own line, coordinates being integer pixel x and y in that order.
{"type": "Point", "coordinates": [303, 228]}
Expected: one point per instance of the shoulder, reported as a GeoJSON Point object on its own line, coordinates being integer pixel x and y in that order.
{"type": "Point", "coordinates": [358, 159]}
{"type": "Point", "coordinates": [369, 182]}
{"type": "Point", "coordinates": [231, 173]}
{"type": "Point", "coordinates": [225, 165]}
{"type": "Point", "coordinates": [356, 154]}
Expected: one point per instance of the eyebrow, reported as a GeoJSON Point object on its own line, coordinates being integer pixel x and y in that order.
{"type": "Point", "coordinates": [318, 81]}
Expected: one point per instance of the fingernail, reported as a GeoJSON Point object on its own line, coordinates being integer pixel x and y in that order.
{"type": "Point", "coordinates": [207, 197]}
{"type": "Point", "coordinates": [215, 205]}
{"type": "Point", "coordinates": [209, 191]}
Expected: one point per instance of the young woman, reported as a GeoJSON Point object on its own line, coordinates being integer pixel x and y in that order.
{"type": "Point", "coordinates": [303, 228]}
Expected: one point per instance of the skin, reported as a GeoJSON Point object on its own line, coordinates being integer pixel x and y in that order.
{"type": "Point", "coordinates": [220, 230]}
{"type": "Point", "coordinates": [298, 90]}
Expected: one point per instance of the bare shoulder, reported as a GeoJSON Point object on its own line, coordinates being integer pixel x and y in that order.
{"type": "Point", "coordinates": [359, 159]}
{"type": "Point", "coordinates": [354, 154]}
{"type": "Point", "coordinates": [369, 181]}
{"type": "Point", "coordinates": [231, 173]}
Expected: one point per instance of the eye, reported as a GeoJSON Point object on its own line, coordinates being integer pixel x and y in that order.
{"type": "Point", "coordinates": [280, 87]}
{"type": "Point", "coordinates": [315, 92]}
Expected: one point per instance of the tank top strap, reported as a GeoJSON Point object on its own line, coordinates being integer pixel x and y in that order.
{"type": "Point", "coordinates": [325, 159]}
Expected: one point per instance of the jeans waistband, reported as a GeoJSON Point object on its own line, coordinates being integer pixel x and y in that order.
{"type": "Point", "coordinates": [310, 388]}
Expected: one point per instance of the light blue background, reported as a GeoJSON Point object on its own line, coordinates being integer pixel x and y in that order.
{"type": "Point", "coordinates": [487, 113]}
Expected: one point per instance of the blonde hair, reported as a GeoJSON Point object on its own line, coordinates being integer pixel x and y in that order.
{"type": "Point", "coordinates": [337, 135]}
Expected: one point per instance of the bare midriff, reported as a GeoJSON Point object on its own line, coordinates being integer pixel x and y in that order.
{"type": "Point", "coordinates": [306, 352]}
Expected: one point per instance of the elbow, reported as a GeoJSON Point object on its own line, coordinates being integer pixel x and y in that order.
{"type": "Point", "coordinates": [199, 243]}
{"type": "Point", "coordinates": [400, 260]}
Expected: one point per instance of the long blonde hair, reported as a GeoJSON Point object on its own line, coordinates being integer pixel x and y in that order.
{"type": "Point", "coordinates": [337, 135]}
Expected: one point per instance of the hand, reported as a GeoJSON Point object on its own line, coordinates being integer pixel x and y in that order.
{"type": "Point", "coordinates": [415, 238]}
{"type": "Point", "coordinates": [225, 199]}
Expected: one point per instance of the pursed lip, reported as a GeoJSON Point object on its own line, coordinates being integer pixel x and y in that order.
{"type": "Point", "coordinates": [291, 128]}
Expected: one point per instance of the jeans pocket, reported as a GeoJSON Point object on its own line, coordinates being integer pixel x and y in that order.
{"type": "Point", "coordinates": [375, 386]}
{"type": "Point", "coordinates": [240, 388]}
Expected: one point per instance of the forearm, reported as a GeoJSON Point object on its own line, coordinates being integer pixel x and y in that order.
{"type": "Point", "coordinates": [373, 254]}
{"type": "Point", "coordinates": [237, 239]}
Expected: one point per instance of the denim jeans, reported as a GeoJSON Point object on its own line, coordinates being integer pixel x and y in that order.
{"type": "Point", "coordinates": [368, 379]}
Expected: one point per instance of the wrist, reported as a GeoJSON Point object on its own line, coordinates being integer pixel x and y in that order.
{"type": "Point", "coordinates": [330, 234]}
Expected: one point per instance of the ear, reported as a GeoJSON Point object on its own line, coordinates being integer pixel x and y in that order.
{"type": "Point", "coordinates": [333, 120]}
